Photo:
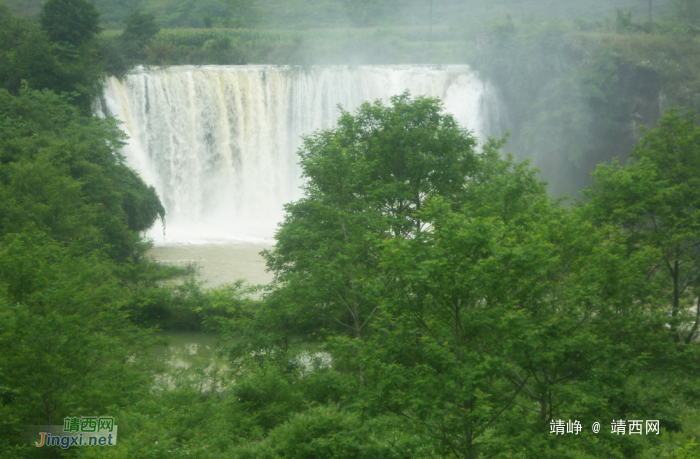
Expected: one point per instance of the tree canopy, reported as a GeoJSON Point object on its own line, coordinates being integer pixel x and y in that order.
{"type": "Point", "coordinates": [71, 21]}
{"type": "Point", "coordinates": [654, 199]}
{"type": "Point", "coordinates": [140, 28]}
{"type": "Point", "coordinates": [367, 180]}
{"type": "Point", "coordinates": [71, 251]}
{"type": "Point", "coordinates": [471, 307]}
{"type": "Point", "coordinates": [60, 171]}
{"type": "Point", "coordinates": [45, 59]}
{"type": "Point", "coordinates": [430, 299]}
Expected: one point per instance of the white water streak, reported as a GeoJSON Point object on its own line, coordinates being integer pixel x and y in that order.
{"type": "Point", "coordinates": [219, 142]}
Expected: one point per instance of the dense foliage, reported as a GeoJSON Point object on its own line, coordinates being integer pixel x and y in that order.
{"type": "Point", "coordinates": [71, 253]}
{"type": "Point", "coordinates": [430, 298]}
{"type": "Point", "coordinates": [60, 173]}
{"type": "Point", "coordinates": [472, 308]}
{"type": "Point", "coordinates": [46, 59]}
{"type": "Point", "coordinates": [70, 21]}
{"type": "Point", "coordinates": [460, 310]}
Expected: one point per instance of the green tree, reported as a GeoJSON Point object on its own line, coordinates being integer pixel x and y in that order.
{"type": "Point", "coordinates": [28, 54]}
{"type": "Point", "coordinates": [60, 171]}
{"type": "Point", "coordinates": [474, 308]}
{"type": "Point", "coordinates": [66, 342]}
{"type": "Point", "coordinates": [71, 21]}
{"type": "Point", "coordinates": [653, 198]}
{"type": "Point", "coordinates": [139, 28]}
{"type": "Point", "coordinates": [25, 53]}
{"type": "Point", "coordinates": [499, 325]}
{"type": "Point", "coordinates": [367, 180]}
{"type": "Point", "coordinates": [122, 53]}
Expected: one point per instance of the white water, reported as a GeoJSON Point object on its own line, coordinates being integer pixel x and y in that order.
{"type": "Point", "coordinates": [219, 142]}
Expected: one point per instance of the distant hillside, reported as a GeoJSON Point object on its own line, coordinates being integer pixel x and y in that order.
{"type": "Point", "coordinates": [302, 14]}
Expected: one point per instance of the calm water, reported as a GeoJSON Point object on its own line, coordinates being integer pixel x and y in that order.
{"type": "Point", "coordinates": [185, 349]}
{"type": "Point", "coordinates": [191, 357]}
{"type": "Point", "coordinates": [219, 264]}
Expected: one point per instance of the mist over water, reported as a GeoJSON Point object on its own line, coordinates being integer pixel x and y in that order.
{"type": "Point", "coordinates": [219, 143]}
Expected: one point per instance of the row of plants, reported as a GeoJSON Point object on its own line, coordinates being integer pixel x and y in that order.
{"type": "Point", "coordinates": [332, 46]}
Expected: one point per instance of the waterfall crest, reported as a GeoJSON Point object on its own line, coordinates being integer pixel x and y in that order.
{"type": "Point", "coordinates": [219, 142]}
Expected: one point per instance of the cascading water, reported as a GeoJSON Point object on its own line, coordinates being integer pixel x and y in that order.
{"type": "Point", "coordinates": [219, 142]}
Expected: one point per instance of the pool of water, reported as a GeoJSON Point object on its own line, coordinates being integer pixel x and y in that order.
{"type": "Point", "coordinates": [218, 264]}
{"type": "Point", "coordinates": [191, 358]}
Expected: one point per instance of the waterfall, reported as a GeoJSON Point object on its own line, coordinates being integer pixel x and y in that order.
{"type": "Point", "coordinates": [219, 143]}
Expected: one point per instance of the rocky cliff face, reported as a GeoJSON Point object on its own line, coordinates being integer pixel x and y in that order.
{"type": "Point", "coordinates": [567, 136]}
{"type": "Point", "coordinates": [641, 89]}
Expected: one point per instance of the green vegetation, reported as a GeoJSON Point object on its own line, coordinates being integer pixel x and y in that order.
{"type": "Point", "coordinates": [304, 14]}
{"type": "Point", "coordinates": [462, 310]}
{"type": "Point", "coordinates": [307, 47]}
{"type": "Point", "coordinates": [140, 28]}
{"type": "Point", "coordinates": [589, 85]}
{"type": "Point", "coordinates": [62, 174]}
{"type": "Point", "coordinates": [653, 199]}
{"type": "Point", "coordinates": [50, 57]}
{"type": "Point", "coordinates": [70, 21]}
{"type": "Point", "coordinates": [126, 50]}
{"type": "Point", "coordinates": [586, 74]}
{"type": "Point", "coordinates": [474, 311]}
{"type": "Point", "coordinates": [366, 180]}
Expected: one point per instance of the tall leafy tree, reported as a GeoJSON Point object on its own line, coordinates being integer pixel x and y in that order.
{"type": "Point", "coordinates": [654, 198]}
{"type": "Point", "coordinates": [367, 180]}
{"type": "Point", "coordinates": [122, 53]}
{"type": "Point", "coordinates": [28, 53]}
{"type": "Point", "coordinates": [497, 326]}
{"type": "Point", "coordinates": [487, 310]}
{"type": "Point", "coordinates": [139, 28]}
{"type": "Point", "coordinates": [60, 172]}
{"type": "Point", "coordinates": [25, 53]}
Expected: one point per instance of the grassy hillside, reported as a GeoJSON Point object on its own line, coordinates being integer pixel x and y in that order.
{"type": "Point", "coordinates": [303, 14]}
{"type": "Point", "coordinates": [354, 46]}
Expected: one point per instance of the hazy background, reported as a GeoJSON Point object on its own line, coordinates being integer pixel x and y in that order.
{"type": "Point", "coordinates": [576, 79]}
{"type": "Point", "coordinates": [303, 14]}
